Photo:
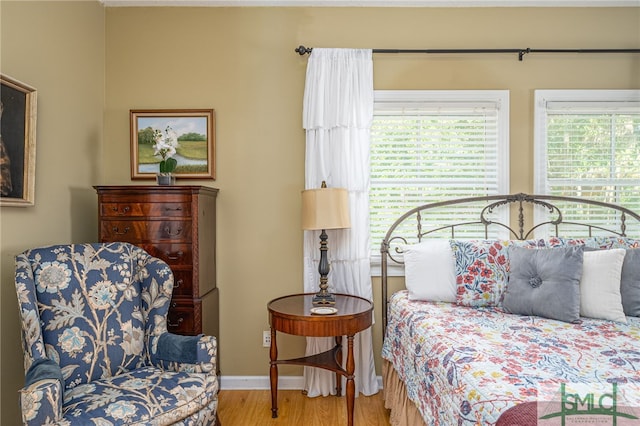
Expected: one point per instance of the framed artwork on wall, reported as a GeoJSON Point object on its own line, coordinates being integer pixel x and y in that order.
{"type": "Point", "coordinates": [185, 135]}
{"type": "Point", "coordinates": [18, 111]}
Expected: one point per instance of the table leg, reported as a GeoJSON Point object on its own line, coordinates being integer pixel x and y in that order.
{"type": "Point", "coordinates": [339, 361]}
{"type": "Point", "coordinates": [273, 374]}
{"type": "Point", "coordinates": [351, 386]}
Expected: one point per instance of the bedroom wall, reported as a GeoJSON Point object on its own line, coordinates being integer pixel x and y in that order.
{"type": "Point", "coordinates": [85, 61]}
{"type": "Point", "coordinates": [240, 61]}
{"type": "Point", "coordinates": [57, 48]}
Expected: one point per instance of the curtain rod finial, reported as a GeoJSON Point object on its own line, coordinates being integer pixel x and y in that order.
{"type": "Point", "coordinates": [523, 52]}
{"type": "Point", "coordinates": [303, 50]}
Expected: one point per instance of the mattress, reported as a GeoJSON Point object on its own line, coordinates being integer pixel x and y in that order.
{"type": "Point", "coordinates": [467, 366]}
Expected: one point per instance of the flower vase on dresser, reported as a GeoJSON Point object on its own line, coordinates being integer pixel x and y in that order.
{"type": "Point", "coordinates": [166, 146]}
{"type": "Point", "coordinates": [166, 179]}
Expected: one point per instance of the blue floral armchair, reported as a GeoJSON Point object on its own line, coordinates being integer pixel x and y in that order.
{"type": "Point", "coordinates": [97, 350]}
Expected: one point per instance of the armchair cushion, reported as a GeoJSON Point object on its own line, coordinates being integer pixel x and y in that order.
{"type": "Point", "coordinates": [143, 396]}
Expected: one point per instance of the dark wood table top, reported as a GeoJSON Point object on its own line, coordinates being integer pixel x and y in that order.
{"type": "Point", "coordinates": [292, 315]}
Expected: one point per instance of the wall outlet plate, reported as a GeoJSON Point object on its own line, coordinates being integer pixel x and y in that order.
{"type": "Point", "coordinates": [266, 338]}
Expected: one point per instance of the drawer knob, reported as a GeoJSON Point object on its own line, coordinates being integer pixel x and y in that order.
{"type": "Point", "coordinates": [117, 231]}
{"type": "Point", "coordinates": [125, 210]}
{"type": "Point", "coordinates": [173, 209]}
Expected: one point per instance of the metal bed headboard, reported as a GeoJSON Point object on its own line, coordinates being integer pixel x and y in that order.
{"type": "Point", "coordinates": [553, 223]}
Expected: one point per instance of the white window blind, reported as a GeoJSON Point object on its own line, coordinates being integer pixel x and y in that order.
{"type": "Point", "coordinates": [429, 146]}
{"type": "Point", "coordinates": [587, 144]}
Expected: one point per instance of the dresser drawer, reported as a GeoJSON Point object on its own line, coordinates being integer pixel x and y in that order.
{"type": "Point", "coordinates": [130, 231]}
{"type": "Point", "coordinates": [174, 254]}
{"type": "Point", "coordinates": [182, 283]}
{"type": "Point", "coordinates": [158, 230]}
{"type": "Point", "coordinates": [145, 230]}
{"type": "Point", "coordinates": [134, 209]}
{"type": "Point", "coordinates": [182, 317]}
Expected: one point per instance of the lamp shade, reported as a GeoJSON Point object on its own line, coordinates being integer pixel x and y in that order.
{"type": "Point", "coordinates": [325, 208]}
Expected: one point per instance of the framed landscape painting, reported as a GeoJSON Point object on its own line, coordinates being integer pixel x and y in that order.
{"type": "Point", "coordinates": [190, 131]}
{"type": "Point", "coordinates": [18, 112]}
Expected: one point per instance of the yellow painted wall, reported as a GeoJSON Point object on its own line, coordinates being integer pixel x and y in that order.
{"type": "Point", "coordinates": [240, 61]}
{"type": "Point", "coordinates": [57, 48]}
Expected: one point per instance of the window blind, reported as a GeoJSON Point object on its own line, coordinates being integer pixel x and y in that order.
{"type": "Point", "coordinates": [429, 146]}
{"type": "Point", "coordinates": [588, 145]}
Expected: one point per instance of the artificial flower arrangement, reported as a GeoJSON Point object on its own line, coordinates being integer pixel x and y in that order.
{"type": "Point", "coordinates": [165, 146]}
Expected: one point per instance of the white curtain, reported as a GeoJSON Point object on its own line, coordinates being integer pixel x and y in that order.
{"type": "Point", "coordinates": [337, 116]}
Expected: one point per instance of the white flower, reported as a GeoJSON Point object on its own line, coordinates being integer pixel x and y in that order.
{"type": "Point", "coordinates": [166, 143]}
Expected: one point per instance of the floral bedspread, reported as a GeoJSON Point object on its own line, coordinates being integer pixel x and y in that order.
{"type": "Point", "coordinates": [466, 366]}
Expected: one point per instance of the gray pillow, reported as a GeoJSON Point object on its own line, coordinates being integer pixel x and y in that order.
{"type": "Point", "coordinates": [545, 282]}
{"type": "Point", "coordinates": [630, 283]}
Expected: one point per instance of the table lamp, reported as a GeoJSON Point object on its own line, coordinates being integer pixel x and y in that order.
{"type": "Point", "coordinates": [324, 208]}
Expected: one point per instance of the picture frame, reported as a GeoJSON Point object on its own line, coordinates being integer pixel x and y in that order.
{"type": "Point", "coordinates": [18, 114]}
{"type": "Point", "coordinates": [195, 132]}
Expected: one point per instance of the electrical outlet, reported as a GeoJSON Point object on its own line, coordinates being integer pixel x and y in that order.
{"type": "Point", "coordinates": [266, 338]}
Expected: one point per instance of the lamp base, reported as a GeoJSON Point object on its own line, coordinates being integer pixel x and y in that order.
{"type": "Point", "coordinates": [323, 299]}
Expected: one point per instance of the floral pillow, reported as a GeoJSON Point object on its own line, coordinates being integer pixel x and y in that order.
{"type": "Point", "coordinates": [603, 242]}
{"type": "Point", "coordinates": [612, 242]}
{"type": "Point", "coordinates": [482, 266]}
{"type": "Point", "coordinates": [482, 269]}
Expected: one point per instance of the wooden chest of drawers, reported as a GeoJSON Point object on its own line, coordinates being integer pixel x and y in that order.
{"type": "Point", "coordinates": [178, 225]}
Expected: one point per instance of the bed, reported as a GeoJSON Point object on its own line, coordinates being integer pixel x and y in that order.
{"type": "Point", "coordinates": [498, 323]}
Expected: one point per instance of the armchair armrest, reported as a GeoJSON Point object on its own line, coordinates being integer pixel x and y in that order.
{"type": "Point", "coordinates": [186, 353]}
{"type": "Point", "coordinates": [41, 397]}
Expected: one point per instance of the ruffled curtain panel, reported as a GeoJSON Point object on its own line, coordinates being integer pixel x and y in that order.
{"type": "Point", "coordinates": [337, 116]}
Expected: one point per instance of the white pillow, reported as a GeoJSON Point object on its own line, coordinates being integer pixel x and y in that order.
{"type": "Point", "coordinates": [600, 285]}
{"type": "Point", "coordinates": [429, 271]}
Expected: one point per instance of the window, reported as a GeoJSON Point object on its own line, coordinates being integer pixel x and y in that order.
{"type": "Point", "coordinates": [435, 145]}
{"type": "Point", "coordinates": [587, 144]}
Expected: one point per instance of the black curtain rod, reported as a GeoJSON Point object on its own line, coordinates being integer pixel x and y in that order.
{"type": "Point", "coordinates": [302, 50]}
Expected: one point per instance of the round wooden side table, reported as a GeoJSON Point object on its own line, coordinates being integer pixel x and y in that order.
{"type": "Point", "coordinates": [292, 315]}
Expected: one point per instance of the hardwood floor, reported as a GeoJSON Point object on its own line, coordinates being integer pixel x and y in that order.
{"type": "Point", "coordinates": [253, 408]}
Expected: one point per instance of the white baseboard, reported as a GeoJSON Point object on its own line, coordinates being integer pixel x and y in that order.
{"type": "Point", "coordinates": [262, 382]}
{"type": "Point", "coordinates": [259, 382]}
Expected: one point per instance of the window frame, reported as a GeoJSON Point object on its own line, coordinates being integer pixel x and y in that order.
{"type": "Point", "coordinates": [542, 97]}
{"type": "Point", "coordinates": [580, 99]}
{"type": "Point", "coordinates": [498, 98]}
